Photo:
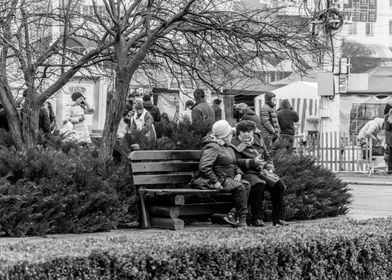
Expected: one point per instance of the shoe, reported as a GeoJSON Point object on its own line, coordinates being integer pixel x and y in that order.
{"type": "Point", "coordinates": [258, 223]}
{"type": "Point", "coordinates": [279, 223]}
{"type": "Point", "coordinates": [230, 219]}
{"type": "Point", "coordinates": [242, 223]}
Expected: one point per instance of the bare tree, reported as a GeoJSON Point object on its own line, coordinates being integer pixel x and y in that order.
{"type": "Point", "coordinates": [205, 40]}
{"type": "Point", "coordinates": [35, 59]}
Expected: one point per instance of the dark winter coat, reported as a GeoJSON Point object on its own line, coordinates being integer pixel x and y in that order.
{"type": "Point", "coordinates": [44, 120]}
{"type": "Point", "coordinates": [203, 116]}
{"type": "Point", "coordinates": [269, 119]}
{"type": "Point", "coordinates": [286, 118]}
{"type": "Point", "coordinates": [246, 155]}
{"type": "Point", "coordinates": [217, 161]}
{"type": "Point", "coordinates": [217, 111]}
{"type": "Point", "coordinates": [154, 110]}
{"type": "Point", "coordinates": [388, 131]}
{"type": "Point", "coordinates": [250, 115]}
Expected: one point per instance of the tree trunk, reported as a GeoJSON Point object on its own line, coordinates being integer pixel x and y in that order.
{"type": "Point", "coordinates": [30, 124]}
{"type": "Point", "coordinates": [114, 113]}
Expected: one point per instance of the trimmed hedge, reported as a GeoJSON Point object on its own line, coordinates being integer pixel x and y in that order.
{"type": "Point", "coordinates": [338, 250]}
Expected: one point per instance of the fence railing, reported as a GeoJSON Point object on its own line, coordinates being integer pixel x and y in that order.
{"type": "Point", "coordinates": [338, 151]}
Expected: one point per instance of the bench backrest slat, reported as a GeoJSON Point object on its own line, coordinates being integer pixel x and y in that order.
{"type": "Point", "coordinates": [162, 179]}
{"type": "Point", "coordinates": [171, 168]}
{"type": "Point", "coordinates": [164, 166]}
{"type": "Point", "coordinates": [164, 155]}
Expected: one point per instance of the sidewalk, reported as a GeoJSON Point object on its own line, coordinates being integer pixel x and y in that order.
{"type": "Point", "coordinates": [363, 179]}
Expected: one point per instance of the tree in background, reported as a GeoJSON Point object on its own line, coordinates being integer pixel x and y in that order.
{"type": "Point", "coordinates": [206, 41]}
{"type": "Point", "coordinates": [36, 60]}
{"type": "Point", "coordinates": [360, 56]}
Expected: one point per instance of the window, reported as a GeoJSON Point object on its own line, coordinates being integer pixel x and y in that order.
{"type": "Point", "coordinates": [390, 3]}
{"type": "Point", "coordinates": [369, 29]}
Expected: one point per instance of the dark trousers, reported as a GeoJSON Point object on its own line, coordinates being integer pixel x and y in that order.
{"type": "Point", "coordinates": [240, 198]}
{"type": "Point", "coordinates": [256, 200]}
{"type": "Point", "coordinates": [286, 143]}
{"type": "Point", "coordinates": [389, 162]}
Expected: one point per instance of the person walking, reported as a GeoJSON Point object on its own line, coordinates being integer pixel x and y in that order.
{"type": "Point", "coordinates": [388, 136]}
{"type": "Point", "coordinates": [286, 118]}
{"type": "Point", "coordinates": [151, 108]}
{"type": "Point", "coordinates": [186, 115]}
{"type": "Point", "coordinates": [217, 109]}
{"type": "Point", "coordinates": [203, 116]}
{"type": "Point", "coordinates": [219, 170]}
{"type": "Point", "coordinates": [75, 113]}
{"type": "Point", "coordinates": [269, 121]}
{"type": "Point", "coordinates": [256, 163]}
{"type": "Point", "coordinates": [143, 121]}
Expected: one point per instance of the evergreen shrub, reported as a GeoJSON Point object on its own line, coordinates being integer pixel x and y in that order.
{"type": "Point", "coordinates": [45, 191]}
{"type": "Point", "coordinates": [312, 192]}
{"type": "Point", "coordinates": [339, 250]}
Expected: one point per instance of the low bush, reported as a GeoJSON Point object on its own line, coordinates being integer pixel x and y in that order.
{"type": "Point", "coordinates": [340, 250]}
{"type": "Point", "coordinates": [312, 191]}
{"type": "Point", "coordinates": [45, 191]}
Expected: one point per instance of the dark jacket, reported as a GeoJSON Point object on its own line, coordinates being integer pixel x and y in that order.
{"type": "Point", "coordinates": [217, 111]}
{"type": "Point", "coordinates": [217, 161]}
{"type": "Point", "coordinates": [269, 121]}
{"type": "Point", "coordinates": [286, 118]}
{"type": "Point", "coordinates": [388, 130]}
{"type": "Point", "coordinates": [246, 155]}
{"type": "Point", "coordinates": [154, 110]}
{"type": "Point", "coordinates": [163, 128]}
{"type": "Point", "coordinates": [44, 120]}
{"type": "Point", "coordinates": [250, 115]}
{"type": "Point", "coordinates": [203, 117]}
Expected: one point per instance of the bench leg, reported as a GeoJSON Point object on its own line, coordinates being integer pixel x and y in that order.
{"type": "Point", "coordinates": [167, 223]}
{"type": "Point", "coordinates": [146, 223]}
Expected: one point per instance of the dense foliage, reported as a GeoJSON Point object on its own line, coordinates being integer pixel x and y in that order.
{"type": "Point", "coordinates": [312, 191]}
{"type": "Point", "coordinates": [45, 190]}
{"type": "Point", "coordinates": [339, 250]}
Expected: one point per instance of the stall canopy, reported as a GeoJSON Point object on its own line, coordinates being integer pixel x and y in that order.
{"type": "Point", "coordinates": [303, 98]}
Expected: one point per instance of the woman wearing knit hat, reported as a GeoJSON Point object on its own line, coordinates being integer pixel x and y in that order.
{"type": "Point", "coordinates": [75, 113]}
{"type": "Point", "coordinates": [219, 168]}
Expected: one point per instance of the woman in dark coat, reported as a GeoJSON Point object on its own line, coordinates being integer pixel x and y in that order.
{"type": "Point", "coordinates": [218, 166]}
{"type": "Point", "coordinates": [255, 160]}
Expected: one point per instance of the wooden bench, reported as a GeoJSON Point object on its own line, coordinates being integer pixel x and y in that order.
{"type": "Point", "coordinates": [162, 178]}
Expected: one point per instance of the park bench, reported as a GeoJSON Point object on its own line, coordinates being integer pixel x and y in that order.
{"type": "Point", "coordinates": [162, 179]}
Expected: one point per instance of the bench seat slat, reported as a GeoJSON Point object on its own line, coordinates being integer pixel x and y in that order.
{"type": "Point", "coordinates": [164, 155]}
{"type": "Point", "coordinates": [162, 179]}
{"type": "Point", "coordinates": [204, 208]}
{"type": "Point", "coordinates": [179, 191]}
{"type": "Point", "coordinates": [164, 166]}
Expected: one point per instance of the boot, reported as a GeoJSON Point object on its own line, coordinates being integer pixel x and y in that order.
{"type": "Point", "coordinates": [242, 221]}
{"type": "Point", "coordinates": [230, 218]}
{"type": "Point", "coordinates": [278, 222]}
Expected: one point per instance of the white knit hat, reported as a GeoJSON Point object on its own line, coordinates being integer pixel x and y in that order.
{"type": "Point", "coordinates": [221, 129]}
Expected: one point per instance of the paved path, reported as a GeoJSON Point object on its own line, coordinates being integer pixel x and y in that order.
{"type": "Point", "coordinates": [370, 201]}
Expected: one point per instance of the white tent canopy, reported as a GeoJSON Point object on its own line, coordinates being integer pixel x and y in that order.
{"type": "Point", "coordinates": [303, 98]}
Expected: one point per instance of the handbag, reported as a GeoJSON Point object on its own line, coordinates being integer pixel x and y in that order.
{"type": "Point", "coordinates": [269, 177]}
{"type": "Point", "coordinates": [201, 183]}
